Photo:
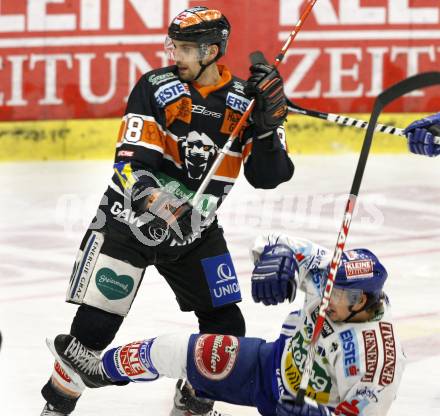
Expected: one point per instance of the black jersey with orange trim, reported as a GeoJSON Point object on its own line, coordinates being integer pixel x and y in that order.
{"type": "Point", "coordinates": [175, 130]}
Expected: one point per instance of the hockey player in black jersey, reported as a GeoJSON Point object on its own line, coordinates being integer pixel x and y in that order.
{"type": "Point", "coordinates": [177, 119]}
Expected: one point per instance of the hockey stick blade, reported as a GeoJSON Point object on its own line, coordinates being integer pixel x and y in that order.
{"type": "Point", "coordinates": [347, 121]}
{"type": "Point", "coordinates": [386, 97]}
{"type": "Point", "coordinates": [423, 80]}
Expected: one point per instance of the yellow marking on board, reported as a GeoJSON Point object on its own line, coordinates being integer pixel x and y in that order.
{"type": "Point", "coordinates": [58, 140]}
{"type": "Point", "coordinates": [307, 135]}
{"type": "Point", "coordinates": [96, 139]}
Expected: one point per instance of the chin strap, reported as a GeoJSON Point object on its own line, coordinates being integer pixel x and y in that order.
{"type": "Point", "coordinates": [352, 313]}
{"type": "Point", "coordinates": [202, 69]}
{"type": "Point", "coordinates": [204, 66]}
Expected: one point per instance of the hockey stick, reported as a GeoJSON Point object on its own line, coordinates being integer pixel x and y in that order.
{"type": "Point", "coordinates": [198, 195]}
{"type": "Point", "coordinates": [347, 121]}
{"type": "Point", "coordinates": [401, 88]}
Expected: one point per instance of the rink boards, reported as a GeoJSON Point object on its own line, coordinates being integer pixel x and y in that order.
{"type": "Point", "coordinates": [95, 138]}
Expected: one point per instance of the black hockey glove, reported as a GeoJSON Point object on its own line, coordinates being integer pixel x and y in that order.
{"type": "Point", "coordinates": [165, 211]}
{"type": "Point", "coordinates": [266, 86]}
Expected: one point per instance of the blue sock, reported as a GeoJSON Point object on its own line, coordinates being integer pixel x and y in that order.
{"type": "Point", "coordinates": [136, 356]}
{"type": "Point", "coordinates": [110, 368]}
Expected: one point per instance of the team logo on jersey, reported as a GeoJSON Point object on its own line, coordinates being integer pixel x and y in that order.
{"type": "Point", "coordinates": [198, 152]}
{"type": "Point", "coordinates": [238, 86]}
{"type": "Point", "coordinates": [215, 355]}
{"type": "Point", "coordinates": [351, 353]}
{"type": "Point", "coordinates": [170, 91]}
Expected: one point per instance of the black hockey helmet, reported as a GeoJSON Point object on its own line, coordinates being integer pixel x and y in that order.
{"type": "Point", "coordinates": [203, 26]}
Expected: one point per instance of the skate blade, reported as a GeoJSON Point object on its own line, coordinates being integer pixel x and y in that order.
{"type": "Point", "coordinates": [76, 379]}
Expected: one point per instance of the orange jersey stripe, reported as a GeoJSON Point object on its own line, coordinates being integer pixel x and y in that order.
{"type": "Point", "coordinates": [179, 110]}
{"type": "Point", "coordinates": [121, 131]}
{"type": "Point", "coordinates": [230, 167]}
{"type": "Point", "coordinates": [152, 135]}
{"type": "Point", "coordinates": [247, 149]}
{"type": "Point", "coordinates": [172, 149]}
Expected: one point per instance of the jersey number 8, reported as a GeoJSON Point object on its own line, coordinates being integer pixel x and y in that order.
{"type": "Point", "coordinates": [133, 131]}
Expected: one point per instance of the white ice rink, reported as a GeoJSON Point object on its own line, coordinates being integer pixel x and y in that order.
{"type": "Point", "coordinates": [46, 207]}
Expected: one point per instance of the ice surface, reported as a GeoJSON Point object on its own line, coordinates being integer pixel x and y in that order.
{"type": "Point", "coordinates": [46, 207]}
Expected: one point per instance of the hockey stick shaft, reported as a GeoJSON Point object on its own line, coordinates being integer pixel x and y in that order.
{"type": "Point", "coordinates": [348, 121]}
{"type": "Point", "coordinates": [386, 97]}
{"type": "Point", "coordinates": [236, 131]}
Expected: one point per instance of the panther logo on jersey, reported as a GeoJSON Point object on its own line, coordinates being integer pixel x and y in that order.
{"type": "Point", "coordinates": [197, 151]}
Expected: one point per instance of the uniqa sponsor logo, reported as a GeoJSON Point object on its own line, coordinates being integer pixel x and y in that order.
{"type": "Point", "coordinates": [225, 273]}
{"type": "Point", "coordinates": [228, 289]}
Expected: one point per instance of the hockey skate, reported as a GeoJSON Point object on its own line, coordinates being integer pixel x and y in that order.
{"type": "Point", "coordinates": [49, 410]}
{"type": "Point", "coordinates": [187, 404]}
{"type": "Point", "coordinates": [82, 364]}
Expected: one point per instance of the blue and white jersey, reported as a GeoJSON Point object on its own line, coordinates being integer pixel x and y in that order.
{"type": "Point", "coordinates": [354, 361]}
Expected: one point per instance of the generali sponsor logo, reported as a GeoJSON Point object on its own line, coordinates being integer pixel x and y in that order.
{"type": "Point", "coordinates": [389, 353]}
{"type": "Point", "coordinates": [371, 355]}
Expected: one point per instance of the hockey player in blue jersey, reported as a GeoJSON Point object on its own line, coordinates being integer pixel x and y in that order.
{"type": "Point", "coordinates": [421, 135]}
{"type": "Point", "coordinates": [359, 360]}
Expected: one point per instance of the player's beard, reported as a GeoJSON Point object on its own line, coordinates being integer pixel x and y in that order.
{"type": "Point", "coordinates": [186, 73]}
